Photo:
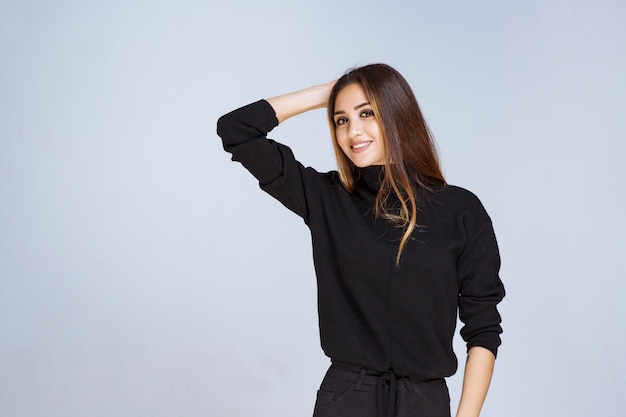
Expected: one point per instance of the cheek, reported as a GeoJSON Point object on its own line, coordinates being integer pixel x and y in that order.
{"type": "Point", "coordinates": [341, 138]}
{"type": "Point", "coordinates": [374, 128]}
{"type": "Point", "coordinates": [343, 144]}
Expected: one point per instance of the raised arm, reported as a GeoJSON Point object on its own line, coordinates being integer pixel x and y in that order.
{"type": "Point", "coordinates": [292, 104]}
{"type": "Point", "coordinates": [244, 134]}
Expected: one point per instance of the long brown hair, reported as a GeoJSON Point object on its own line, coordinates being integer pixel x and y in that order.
{"type": "Point", "coordinates": [412, 164]}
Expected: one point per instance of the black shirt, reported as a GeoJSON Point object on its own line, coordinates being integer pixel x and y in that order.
{"type": "Point", "coordinates": [373, 313]}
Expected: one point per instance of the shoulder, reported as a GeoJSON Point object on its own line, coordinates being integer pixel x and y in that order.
{"type": "Point", "coordinates": [328, 179]}
{"type": "Point", "coordinates": [459, 197]}
{"type": "Point", "coordinates": [310, 174]}
{"type": "Point", "coordinates": [460, 206]}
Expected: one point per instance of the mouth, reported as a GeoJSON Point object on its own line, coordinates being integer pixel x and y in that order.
{"type": "Point", "coordinates": [361, 146]}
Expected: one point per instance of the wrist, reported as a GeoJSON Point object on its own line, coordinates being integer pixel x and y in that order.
{"type": "Point", "coordinates": [320, 94]}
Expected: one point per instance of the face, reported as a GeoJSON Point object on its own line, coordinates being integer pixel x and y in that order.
{"type": "Point", "coordinates": [356, 128]}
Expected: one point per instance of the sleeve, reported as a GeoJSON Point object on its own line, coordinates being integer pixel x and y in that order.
{"type": "Point", "coordinates": [244, 135]}
{"type": "Point", "coordinates": [480, 289]}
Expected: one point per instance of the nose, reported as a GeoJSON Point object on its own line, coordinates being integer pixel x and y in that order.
{"type": "Point", "coordinates": [356, 128]}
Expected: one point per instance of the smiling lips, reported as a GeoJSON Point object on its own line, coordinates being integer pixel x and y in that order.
{"type": "Point", "coordinates": [360, 146]}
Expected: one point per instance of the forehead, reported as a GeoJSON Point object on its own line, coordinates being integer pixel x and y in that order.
{"type": "Point", "coordinates": [350, 96]}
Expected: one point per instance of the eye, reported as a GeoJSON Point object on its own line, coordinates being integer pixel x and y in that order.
{"type": "Point", "coordinates": [341, 120]}
{"type": "Point", "coordinates": [367, 113]}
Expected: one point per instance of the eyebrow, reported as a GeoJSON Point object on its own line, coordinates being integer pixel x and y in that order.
{"type": "Point", "coordinates": [356, 108]}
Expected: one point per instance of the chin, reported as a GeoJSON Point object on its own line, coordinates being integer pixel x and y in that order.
{"type": "Point", "coordinates": [365, 164]}
{"type": "Point", "coordinates": [361, 164]}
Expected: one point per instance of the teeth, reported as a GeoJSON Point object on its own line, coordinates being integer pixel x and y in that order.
{"type": "Point", "coordinates": [360, 145]}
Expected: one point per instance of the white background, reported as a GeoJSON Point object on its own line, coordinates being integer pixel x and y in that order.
{"type": "Point", "coordinates": [142, 273]}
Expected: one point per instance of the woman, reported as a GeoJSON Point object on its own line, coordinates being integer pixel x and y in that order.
{"type": "Point", "coordinates": [397, 251]}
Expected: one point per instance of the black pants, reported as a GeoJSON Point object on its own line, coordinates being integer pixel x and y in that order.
{"type": "Point", "coordinates": [348, 391]}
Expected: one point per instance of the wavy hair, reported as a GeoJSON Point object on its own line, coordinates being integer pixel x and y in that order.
{"type": "Point", "coordinates": [412, 163]}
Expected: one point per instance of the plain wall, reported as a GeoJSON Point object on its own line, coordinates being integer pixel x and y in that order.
{"type": "Point", "coordinates": [142, 273]}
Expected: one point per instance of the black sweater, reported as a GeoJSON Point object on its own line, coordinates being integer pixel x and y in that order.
{"type": "Point", "coordinates": [371, 312]}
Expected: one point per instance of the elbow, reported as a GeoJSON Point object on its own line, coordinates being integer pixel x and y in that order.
{"type": "Point", "coordinates": [223, 125]}
{"type": "Point", "coordinates": [228, 129]}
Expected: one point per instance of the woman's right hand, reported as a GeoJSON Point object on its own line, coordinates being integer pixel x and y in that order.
{"type": "Point", "coordinates": [298, 102]}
